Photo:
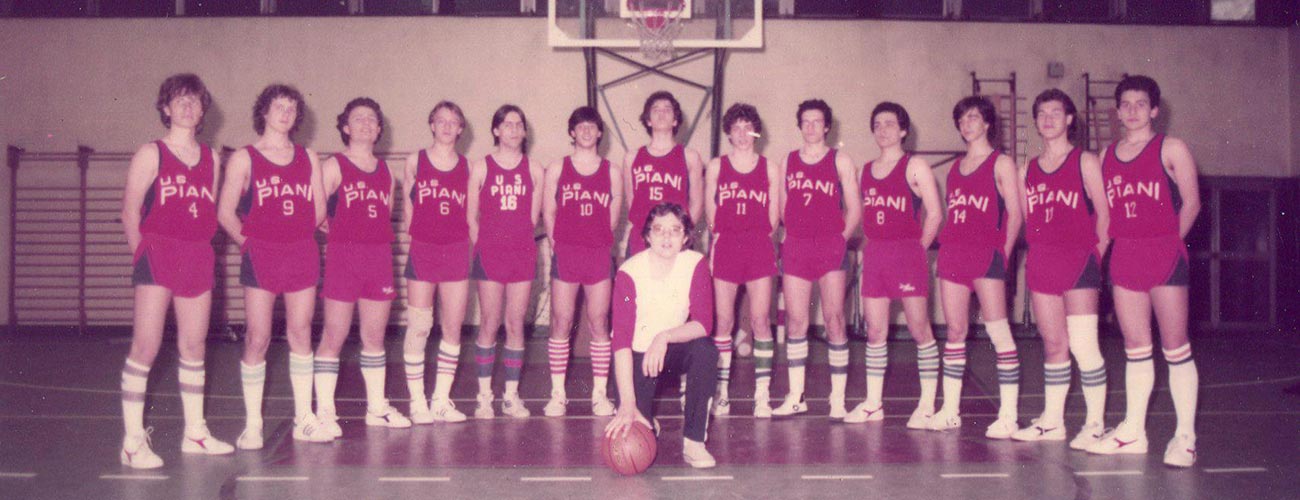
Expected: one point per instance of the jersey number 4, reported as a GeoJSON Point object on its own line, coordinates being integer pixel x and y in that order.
{"type": "Point", "coordinates": [194, 209]}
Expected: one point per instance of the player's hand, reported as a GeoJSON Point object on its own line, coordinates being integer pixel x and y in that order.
{"type": "Point", "coordinates": [627, 414]}
{"type": "Point", "coordinates": [653, 361]}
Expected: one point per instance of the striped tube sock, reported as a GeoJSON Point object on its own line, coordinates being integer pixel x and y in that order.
{"type": "Point", "coordinates": [374, 366]}
{"type": "Point", "coordinates": [600, 358]}
{"type": "Point", "coordinates": [448, 359]}
{"type": "Point", "coordinates": [300, 379]}
{"type": "Point", "coordinates": [927, 370]}
{"type": "Point", "coordinates": [485, 357]}
{"type": "Point", "coordinates": [838, 358]}
{"type": "Point", "coordinates": [954, 369]}
{"type": "Point", "coordinates": [1056, 384]}
{"type": "Point", "coordinates": [877, 360]}
{"type": "Point", "coordinates": [325, 377]}
{"type": "Point", "coordinates": [253, 378]}
{"type": "Point", "coordinates": [1139, 379]}
{"type": "Point", "coordinates": [1184, 381]}
{"type": "Point", "coordinates": [557, 352]}
{"type": "Point", "coordinates": [191, 377]}
{"type": "Point", "coordinates": [514, 363]}
{"type": "Point", "coordinates": [1008, 366]}
{"type": "Point", "coordinates": [414, 365]}
{"type": "Point", "coordinates": [796, 353]}
{"type": "Point", "coordinates": [1092, 366]}
{"type": "Point", "coordinates": [135, 378]}
{"type": "Point", "coordinates": [724, 364]}
{"type": "Point", "coordinates": [763, 351]}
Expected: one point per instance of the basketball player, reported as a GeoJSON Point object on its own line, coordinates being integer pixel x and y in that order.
{"type": "Point", "coordinates": [436, 185]}
{"type": "Point", "coordinates": [662, 171]}
{"type": "Point", "coordinates": [821, 207]}
{"type": "Point", "coordinates": [1151, 187]}
{"type": "Point", "coordinates": [271, 203]}
{"type": "Point", "coordinates": [358, 264]}
{"type": "Point", "coordinates": [663, 310]}
{"type": "Point", "coordinates": [1065, 226]}
{"type": "Point", "coordinates": [983, 223]}
{"type": "Point", "coordinates": [900, 219]}
{"type": "Point", "coordinates": [741, 189]}
{"type": "Point", "coordinates": [169, 214]}
{"type": "Point", "coordinates": [581, 205]}
{"type": "Point", "coordinates": [503, 211]}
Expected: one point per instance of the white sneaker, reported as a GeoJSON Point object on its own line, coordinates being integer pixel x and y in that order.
{"type": "Point", "coordinates": [1181, 451]}
{"type": "Point", "coordinates": [309, 428]}
{"type": "Point", "coordinates": [721, 406]}
{"type": "Point", "coordinates": [601, 406]}
{"type": "Point", "coordinates": [920, 419]}
{"type": "Point", "coordinates": [696, 455]}
{"type": "Point", "coordinates": [1040, 432]}
{"type": "Point", "coordinates": [202, 442]}
{"type": "Point", "coordinates": [838, 408]}
{"type": "Point", "coordinates": [329, 422]}
{"type": "Point", "coordinates": [1120, 441]}
{"type": "Point", "coordinates": [1089, 435]}
{"type": "Point", "coordinates": [762, 407]}
{"type": "Point", "coordinates": [387, 417]}
{"type": "Point", "coordinates": [944, 421]}
{"type": "Point", "coordinates": [512, 406]}
{"type": "Point", "coordinates": [557, 406]}
{"type": "Point", "coordinates": [790, 407]}
{"type": "Point", "coordinates": [421, 414]}
{"type": "Point", "coordinates": [1002, 428]}
{"type": "Point", "coordinates": [444, 410]}
{"type": "Point", "coordinates": [863, 413]}
{"type": "Point", "coordinates": [136, 452]}
{"type": "Point", "coordinates": [484, 409]}
{"type": "Point", "coordinates": [250, 439]}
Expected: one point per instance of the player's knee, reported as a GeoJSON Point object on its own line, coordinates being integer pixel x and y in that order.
{"type": "Point", "coordinates": [876, 333]}
{"type": "Point", "coordinates": [561, 323]}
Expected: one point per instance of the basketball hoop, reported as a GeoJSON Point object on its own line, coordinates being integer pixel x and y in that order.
{"type": "Point", "coordinates": [657, 28]}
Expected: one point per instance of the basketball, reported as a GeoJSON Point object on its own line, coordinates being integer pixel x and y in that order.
{"type": "Point", "coordinates": [631, 453]}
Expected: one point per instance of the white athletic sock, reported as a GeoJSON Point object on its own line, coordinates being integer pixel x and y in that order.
{"type": "Point", "coordinates": [191, 378]}
{"type": "Point", "coordinates": [796, 353]}
{"type": "Point", "coordinates": [1056, 385]}
{"type": "Point", "coordinates": [724, 364]}
{"type": "Point", "coordinates": [763, 352]}
{"type": "Point", "coordinates": [419, 322]}
{"type": "Point", "coordinates": [600, 359]}
{"type": "Point", "coordinates": [300, 378]}
{"type": "Point", "coordinates": [414, 365]}
{"type": "Point", "coordinates": [838, 357]}
{"type": "Point", "coordinates": [1183, 384]}
{"type": "Point", "coordinates": [253, 378]}
{"type": "Point", "coordinates": [1082, 329]}
{"type": "Point", "coordinates": [325, 379]}
{"type": "Point", "coordinates": [1008, 367]}
{"type": "Point", "coordinates": [135, 379]}
{"type": "Point", "coordinates": [877, 361]}
{"type": "Point", "coordinates": [1139, 379]}
{"type": "Point", "coordinates": [557, 352]}
{"type": "Point", "coordinates": [448, 359]}
{"type": "Point", "coordinates": [374, 367]}
{"type": "Point", "coordinates": [954, 369]}
{"type": "Point", "coordinates": [486, 358]}
{"type": "Point", "coordinates": [927, 370]}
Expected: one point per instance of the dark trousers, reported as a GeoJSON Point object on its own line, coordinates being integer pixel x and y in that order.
{"type": "Point", "coordinates": [698, 360]}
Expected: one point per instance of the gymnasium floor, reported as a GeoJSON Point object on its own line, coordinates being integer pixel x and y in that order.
{"type": "Point", "coordinates": [60, 429]}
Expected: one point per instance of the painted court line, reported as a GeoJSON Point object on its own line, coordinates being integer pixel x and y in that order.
{"type": "Point", "coordinates": [135, 477]}
{"type": "Point", "coordinates": [17, 475]}
{"type": "Point", "coordinates": [1108, 473]}
{"type": "Point", "coordinates": [554, 479]}
{"type": "Point", "coordinates": [1233, 470]}
{"type": "Point", "coordinates": [973, 475]}
{"type": "Point", "coordinates": [834, 477]}
{"type": "Point", "coordinates": [415, 479]}
{"type": "Point", "coordinates": [697, 478]}
{"type": "Point", "coordinates": [271, 478]}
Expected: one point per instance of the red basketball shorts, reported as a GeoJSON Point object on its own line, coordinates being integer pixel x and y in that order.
{"type": "Point", "coordinates": [438, 262]}
{"type": "Point", "coordinates": [895, 269]}
{"type": "Point", "coordinates": [358, 271]}
{"type": "Point", "coordinates": [280, 267]}
{"type": "Point", "coordinates": [580, 264]}
{"type": "Point", "coordinates": [1054, 270]}
{"type": "Point", "coordinates": [742, 257]}
{"type": "Point", "coordinates": [965, 264]}
{"type": "Point", "coordinates": [812, 258]}
{"type": "Point", "coordinates": [184, 267]}
{"type": "Point", "coordinates": [1143, 264]}
{"type": "Point", "coordinates": [505, 264]}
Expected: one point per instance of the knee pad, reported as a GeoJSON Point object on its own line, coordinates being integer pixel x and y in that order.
{"type": "Point", "coordinates": [1082, 330]}
{"type": "Point", "coordinates": [1000, 334]}
{"type": "Point", "coordinates": [419, 319]}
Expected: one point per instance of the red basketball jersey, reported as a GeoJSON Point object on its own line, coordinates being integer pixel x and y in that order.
{"type": "Point", "coordinates": [582, 206]}
{"type": "Point", "coordinates": [504, 206]}
{"type": "Point", "coordinates": [1143, 200]}
{"type": "Point", "coordinates": [1059, 211]}
{"type": "Point", "coordinates": [361, 210]}
{"type": "Point", "coordinates": [742, 199]}
{"type": "Point", "coordinates": [813, 201]}
{"type": "Point", "coordinates": [890, 210]}
{"type": "Point", "coordinates": [438, 202]}
{"type": "Point", "coordinates": [655, 180]}
{"type": "Point", "coordinates": [977, 213]}
{"type": "Point", "coordinates": [279, 198]}
{"type": "Point", "coordinates": [182, 201]}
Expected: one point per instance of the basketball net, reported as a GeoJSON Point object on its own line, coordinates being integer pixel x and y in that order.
{"type": "Point", "coordinates": [657, 28]}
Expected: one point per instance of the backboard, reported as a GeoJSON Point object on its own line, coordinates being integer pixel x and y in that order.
{"type": "Point", "coordinates": [706, 24]}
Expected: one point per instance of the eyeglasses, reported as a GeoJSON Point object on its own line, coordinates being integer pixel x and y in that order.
{"type": "Point", "coordinates": [675, 230]}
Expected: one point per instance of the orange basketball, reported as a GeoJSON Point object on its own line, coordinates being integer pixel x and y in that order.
{"type": "Point", "coordinates": [631, 453]}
